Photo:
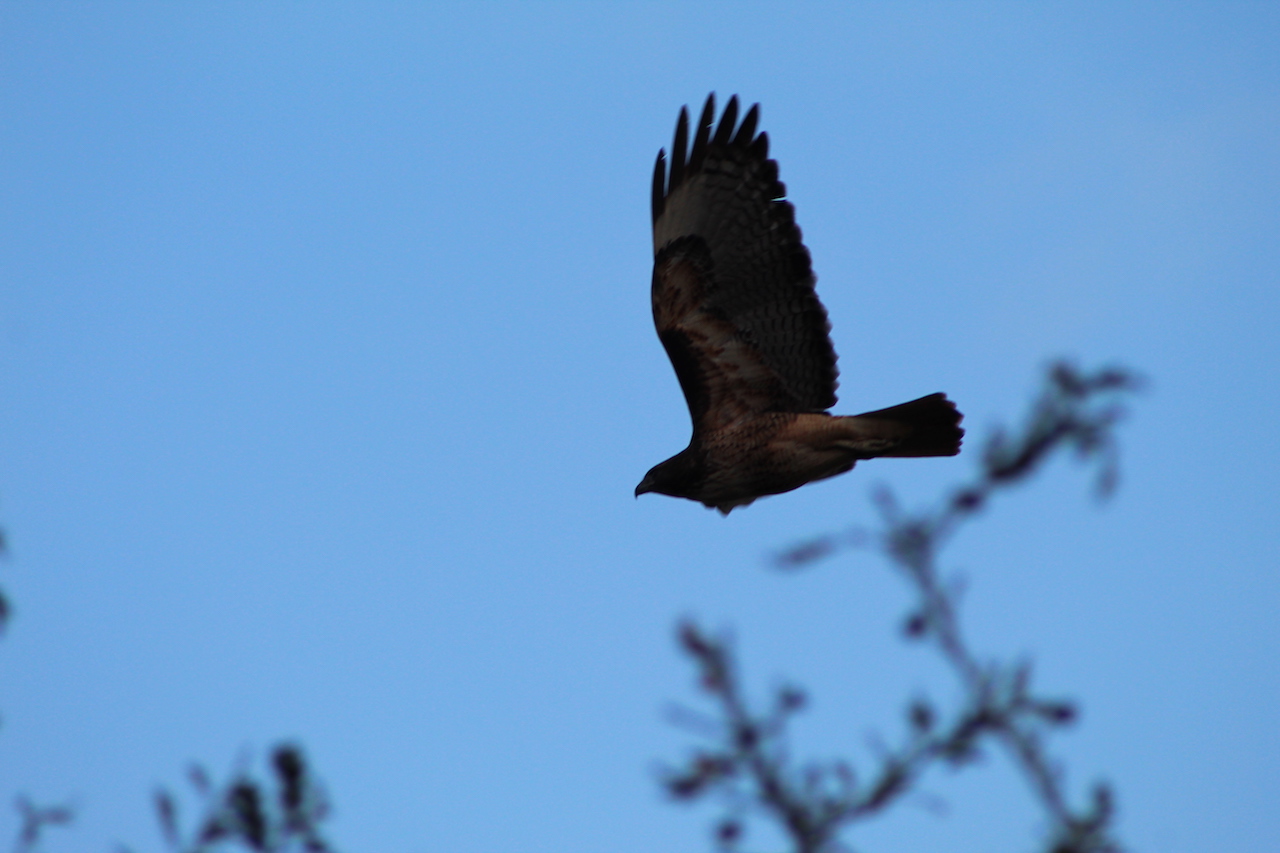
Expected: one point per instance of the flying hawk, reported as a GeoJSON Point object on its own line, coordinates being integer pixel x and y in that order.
{"type": "Point", "coordinates": [735, 308]}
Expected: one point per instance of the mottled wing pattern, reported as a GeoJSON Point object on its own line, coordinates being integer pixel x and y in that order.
{"type": "Point", "coordinates": [733, 291]}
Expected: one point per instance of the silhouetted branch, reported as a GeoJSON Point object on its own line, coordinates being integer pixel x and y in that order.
{"type": "Point", "coordinates": [747, 764]}
{"type": "Point", "coordinates": [248, 814]}
{"type": "Point", "coordinates": [5, 610]}
{"type": "Point", "coordinates": [35, 819]}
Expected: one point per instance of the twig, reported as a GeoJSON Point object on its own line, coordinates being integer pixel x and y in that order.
{"type": "Point", "coordinates": [748, 764]}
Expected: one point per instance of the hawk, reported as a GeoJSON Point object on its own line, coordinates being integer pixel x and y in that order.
{"type": "Point", "coordinates": [735, 308]}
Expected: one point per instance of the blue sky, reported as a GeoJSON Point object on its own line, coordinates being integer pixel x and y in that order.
{"type": "Point", "coordinates": [328, 372]}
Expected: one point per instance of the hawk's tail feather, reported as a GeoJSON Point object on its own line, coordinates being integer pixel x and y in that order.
{"type": "Point", "coordinates": [933, 422]}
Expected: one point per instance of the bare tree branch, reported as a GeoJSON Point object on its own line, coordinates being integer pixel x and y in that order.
{"type": "Point", "coordinates": [282, 816]}
{"type": "Point", "coordinates": [747, 764]}
{"type": "Point", "coordinates": [35, 819]}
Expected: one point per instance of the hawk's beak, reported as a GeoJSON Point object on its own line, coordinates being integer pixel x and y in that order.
{"type": "Point", "coordinates": [646, 486]}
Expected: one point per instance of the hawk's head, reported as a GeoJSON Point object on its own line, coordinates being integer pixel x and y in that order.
{"type": "Point", "coordinates": [674, 477]}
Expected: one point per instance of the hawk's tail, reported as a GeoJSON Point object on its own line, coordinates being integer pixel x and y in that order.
{"type": "Point", "coordinates": [933, 427]}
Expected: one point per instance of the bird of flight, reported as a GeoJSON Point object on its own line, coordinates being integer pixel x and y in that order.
{"type": "Point", "coordinates": [735, 308]}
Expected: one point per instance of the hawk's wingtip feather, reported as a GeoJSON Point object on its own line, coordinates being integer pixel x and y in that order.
{"type": "Point", "coordinates": [728, 119]}
{"type": "Point", "coordinates": [703, 135]}
{"type": "Point", "coordinates": [747, 131]}
{"type": "Point", "coordinates": [658, 199]}
{"type": "Point", "coordinates": [679, 150]}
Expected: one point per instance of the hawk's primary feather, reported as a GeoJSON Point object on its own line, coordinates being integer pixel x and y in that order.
{"type": "Point", "coordinates": [735, 307]}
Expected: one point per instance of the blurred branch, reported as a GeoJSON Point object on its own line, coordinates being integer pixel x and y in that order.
{"type": "Point", "coordinates": [246, 814]}
{"type": "Point", "coordinates": [35, 819]}
{"type": "Point", "coordinates": [747, 764]}
{"type": "Point", "coordinates": [277, 817]}
{"type": "Point", "coordinates": [5, 610]}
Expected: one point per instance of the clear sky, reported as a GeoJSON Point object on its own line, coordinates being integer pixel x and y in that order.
{"type": "Point", "coordinates": [327, 373]}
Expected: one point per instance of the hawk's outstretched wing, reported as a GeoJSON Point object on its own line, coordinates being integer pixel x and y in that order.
{"type": "Point", "coordinates": [733, 291]}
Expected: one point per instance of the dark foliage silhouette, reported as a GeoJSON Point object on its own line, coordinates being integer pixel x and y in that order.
{"type": "Point", "coordinates": [280, 815]}
{"type": "Point", "coordinates": [35, 820]}
{"type": "Point", "coordinates": [745, 763]}
{"type": "Point", "coordinates": [4, 599]}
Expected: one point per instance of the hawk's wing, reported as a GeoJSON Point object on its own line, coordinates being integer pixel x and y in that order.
{"type": "Point", "coordinates": [733, 296]}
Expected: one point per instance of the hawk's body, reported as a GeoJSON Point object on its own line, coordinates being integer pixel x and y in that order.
{"type": "Point", "coordinates": [735, 308]}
